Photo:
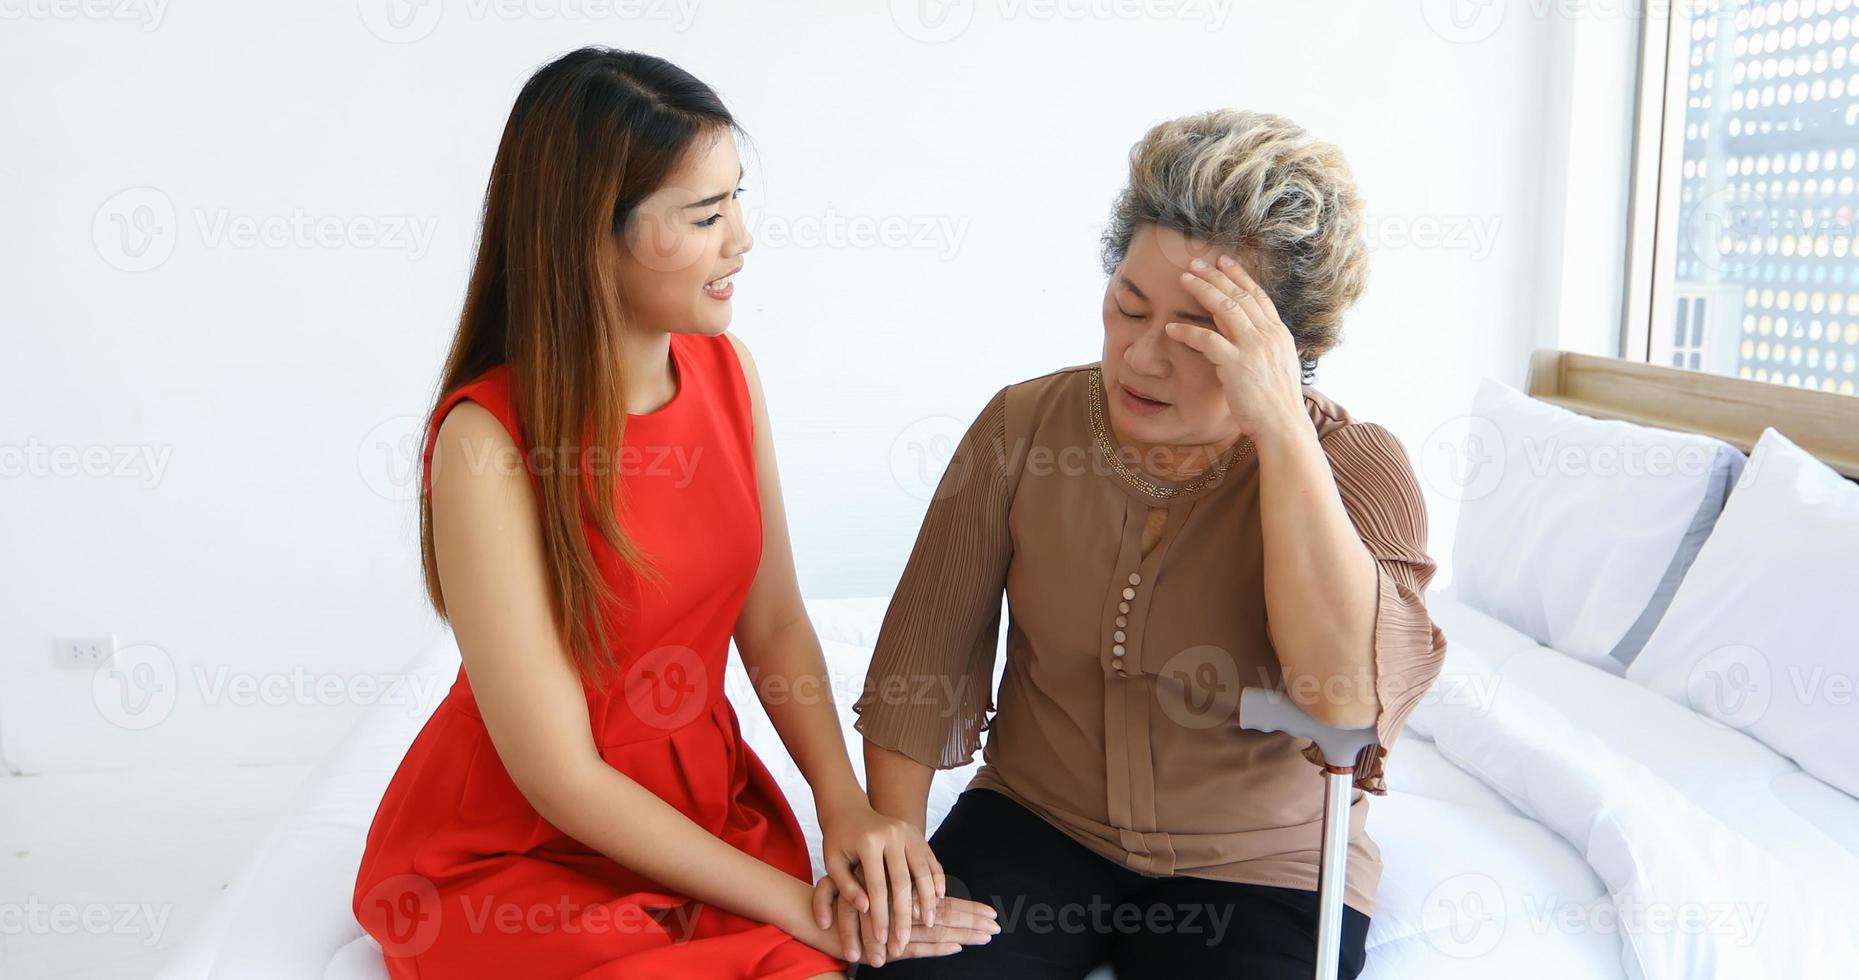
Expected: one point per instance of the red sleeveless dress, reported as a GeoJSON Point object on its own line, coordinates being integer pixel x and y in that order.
{"type": "Point", "coordinates": [462, 878]}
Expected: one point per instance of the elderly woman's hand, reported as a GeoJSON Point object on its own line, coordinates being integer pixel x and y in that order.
{"type": "Point", "coordinates": [883, 866]}
{"type": "Point", "coordinates": [1252, 350]}
{"type": "Point", "coordinates": [959, 923]}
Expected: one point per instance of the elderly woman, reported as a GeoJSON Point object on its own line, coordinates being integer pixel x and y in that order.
{"type": "Point", "coordinates": [1183, 519]}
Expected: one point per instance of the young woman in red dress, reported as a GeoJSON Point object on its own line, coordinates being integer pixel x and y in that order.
{"type": "Point", "coordinates": [600, 515]}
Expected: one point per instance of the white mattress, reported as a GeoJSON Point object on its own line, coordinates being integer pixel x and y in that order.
{"type": "Point", "coordinates": [1470, 867]}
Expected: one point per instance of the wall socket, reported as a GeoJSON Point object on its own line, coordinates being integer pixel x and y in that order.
{"type": "Point", "coordinates": [83, 652]}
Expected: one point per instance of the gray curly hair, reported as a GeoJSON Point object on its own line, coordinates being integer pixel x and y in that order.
{"type": "Point", "coordinates": [1256, 184]}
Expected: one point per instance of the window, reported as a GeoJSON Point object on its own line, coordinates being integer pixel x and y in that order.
{"type": "Point", "coordinates": [1747, 155]}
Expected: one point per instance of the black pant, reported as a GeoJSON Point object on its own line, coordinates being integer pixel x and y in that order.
{"type": "Point", "coordinates": [1064, 910]}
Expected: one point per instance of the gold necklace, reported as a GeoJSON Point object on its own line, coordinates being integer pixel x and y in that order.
{"type": "Point", "coordinates": [1135, 479]}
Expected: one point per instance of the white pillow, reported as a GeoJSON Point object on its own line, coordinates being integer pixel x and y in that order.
{"type": "Point", "coordinates": [1715, 493]}
{"type": "Point", "coordinates": [1761, 635]}
{"type": "Point", "coordinates": [1569, 525]}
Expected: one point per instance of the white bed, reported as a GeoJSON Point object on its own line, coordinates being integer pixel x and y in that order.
{"type": "Point", "coordinates": [1473, 884]}
{"type": "Point", "coordinates": [1552, 812]}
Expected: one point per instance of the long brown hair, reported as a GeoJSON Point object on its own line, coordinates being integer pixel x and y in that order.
{"type": "Point", "coordinates": [591, 135]}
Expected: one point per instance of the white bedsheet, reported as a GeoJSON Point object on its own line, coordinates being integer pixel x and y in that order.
{"type": "Point", "coordinates": [1470, 872]}
{"type": "Point", "coordinates": [1721, 857]}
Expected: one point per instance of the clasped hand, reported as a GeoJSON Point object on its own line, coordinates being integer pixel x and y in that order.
{"type": "Point", "coordinates": [885, 896]}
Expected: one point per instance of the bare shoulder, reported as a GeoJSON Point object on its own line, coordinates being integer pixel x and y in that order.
{"type": "Point", "coordinates": [472, 449]}
{"type": "Point", "coordinates": [749, 372]}
{"type": "Point", "coordinates": [469, 419]}
{"type": "Point", "coordinates": [742, 354]}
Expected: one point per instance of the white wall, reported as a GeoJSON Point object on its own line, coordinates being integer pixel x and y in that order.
{"type": "Point", "coordinates": [261, 535]}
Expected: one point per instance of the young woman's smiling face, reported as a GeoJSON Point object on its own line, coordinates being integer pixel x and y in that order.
{"type": "Point", "coordinates": [684, 244]}
{"type": "Point", "coordinates": [1160, 392]}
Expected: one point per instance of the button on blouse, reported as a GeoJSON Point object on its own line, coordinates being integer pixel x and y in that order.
{"type": "Point", "coordinates": [1117, 711]}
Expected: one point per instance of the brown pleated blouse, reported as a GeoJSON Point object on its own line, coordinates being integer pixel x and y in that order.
{"type": "Point", "coordinates": [1117, 719]}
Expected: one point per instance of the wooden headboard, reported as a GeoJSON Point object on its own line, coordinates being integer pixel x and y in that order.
{"type": "Point", "coordinates": [1735, 410]}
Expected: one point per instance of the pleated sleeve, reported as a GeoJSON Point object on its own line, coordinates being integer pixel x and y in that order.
{"type": "Point", "coordinates": [929, 689]}
{"type": "Point", "coordinates": [1384, 501]}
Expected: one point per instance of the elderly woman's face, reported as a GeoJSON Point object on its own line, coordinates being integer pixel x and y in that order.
{"type": "Point", "coordinates": [1160, 391]}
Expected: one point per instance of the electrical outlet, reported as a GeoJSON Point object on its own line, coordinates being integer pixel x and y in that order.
{"type": "Point", "coordinates": [83, 652]}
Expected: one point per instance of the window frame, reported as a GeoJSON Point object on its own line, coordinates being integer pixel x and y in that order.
{"type": "Point", "coordinates": [1658, 161]}
{"type": "Point", "coordinates": [1654, 236]}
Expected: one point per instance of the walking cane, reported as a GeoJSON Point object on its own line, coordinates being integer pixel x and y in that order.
{"type": "Point", "coordinates": [1262, 710]}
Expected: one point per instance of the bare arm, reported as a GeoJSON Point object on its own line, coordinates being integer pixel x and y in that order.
{"type": "Point", "coordinates": [877, 862]}
{"type": "Point", "coordinates": [776, 639]}
{"type": "Point", "coordinates": [492, 571]}
{"type": "Point", "coordinates": [899, 785]}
